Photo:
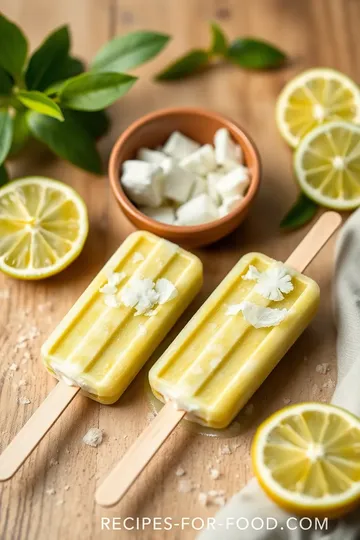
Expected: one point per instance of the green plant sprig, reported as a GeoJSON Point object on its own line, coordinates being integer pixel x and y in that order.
{"type": "Point", "coordinates": [248, 53]}
{"type": "Point", "coordinates": [50, 97]}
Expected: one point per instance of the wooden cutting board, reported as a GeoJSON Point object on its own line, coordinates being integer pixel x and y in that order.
{"type": "Point", "coordinates": [52, 495]}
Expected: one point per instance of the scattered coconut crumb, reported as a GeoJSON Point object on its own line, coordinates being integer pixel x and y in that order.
{"type": "Point", "coordinates": [53, 462]}
{"type": "Point", "coordinates": [150, 416]}
{"type": "Point", "coordinates": [180, 471]}
{"type": "Point", "coordinates": [13, 367]}
{"type": "Point", "coordinates": [215, 474]}
{"type": "Point", "coordinates": [329, 384]}
{"type": "Point", "coordinates": [286, 401]}
{"type": "Point", "coordinates": [185, 486]}
{"type": "Point", "coordinates": [249, 409]}
{"type": "Point", "coordinates": [22, 382]}
{"type": "Point", "coordinates": [93, 437]}
{"type": "Point", "coordinates": [323, 368]}
{"type": "Point", "coordinates": [50, 491]}
{"type": "Point", "coordinates": [220, 501]}
{"type": "Point", "coordinates": [67, 487]}
{"type": "Point", "coordinates": [225, 450]}
{"type": "Point", "coordinates": [24, 400]}
{"type": "Point", "coordinates": [142, 329]}
{"type": "Point", "coordinates": [59, 502]}
{"type": "Point", "coordinates": [138, 257]}
{"type": "Point", "coordinates": [203, 499]}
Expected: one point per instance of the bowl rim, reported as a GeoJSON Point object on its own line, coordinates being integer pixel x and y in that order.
{"type": "Point", "coordinates": [125, 202]}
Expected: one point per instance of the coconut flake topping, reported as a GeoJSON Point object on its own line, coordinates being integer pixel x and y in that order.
{"type": "Point", "coordinates": [258, 316]}
{"type": "Point", "coordinates": [272, 282]}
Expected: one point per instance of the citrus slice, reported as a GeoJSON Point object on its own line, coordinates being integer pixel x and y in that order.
{"type": "Point", "coordinates": [307, 459]}
{"type": "Point", "coordinates": [43, 227]}
{"type": "Point", "coordinates": [327, 165]}
{"type": "Point", "coordinates": [313, 98]}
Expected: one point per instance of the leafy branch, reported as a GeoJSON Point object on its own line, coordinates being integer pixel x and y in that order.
{"type": "Point", "coordinates": [248, 53]}
{"type": "Point", "coordinates": [50, 97]}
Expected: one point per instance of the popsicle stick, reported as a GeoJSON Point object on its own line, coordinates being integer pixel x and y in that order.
{"type": "Point", "coordinates": [34, 430]}
{"type": "Point", "coordinates": [121, 478]}
{"type": "Point", "coordinates": [138, 456]}
{"type": "Point", "coordinates": [316, 238]}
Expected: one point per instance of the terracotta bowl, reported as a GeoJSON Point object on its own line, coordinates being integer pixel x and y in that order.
{"type": "Point", "coordinates": [151, 131]}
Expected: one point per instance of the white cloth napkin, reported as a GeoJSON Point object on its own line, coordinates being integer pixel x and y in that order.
{"type": "Point", "coordinates": [251, 502]}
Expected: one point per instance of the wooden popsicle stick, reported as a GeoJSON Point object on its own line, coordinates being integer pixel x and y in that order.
{"type": "Point", "coordinates": [316, 238]}
{"type": "Point", "coordinates": [138, 456]}
{"type": "Point", "coordinates": [121, 478]}
{"type": "Point", "coordinates": [34, 430]}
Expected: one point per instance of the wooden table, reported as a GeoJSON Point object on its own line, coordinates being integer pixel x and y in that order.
{"type": "Point", "coordinates": [313, 33]}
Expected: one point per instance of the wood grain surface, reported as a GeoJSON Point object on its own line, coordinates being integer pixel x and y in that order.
{"type": "Point", "coordinates": [52, 496]}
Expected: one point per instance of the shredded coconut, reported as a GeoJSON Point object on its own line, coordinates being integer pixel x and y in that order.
{"type": "Point", "coordinates": [225, 450]}
{"type": "Point", "coordinates": [50, 491]}
{"type": "Point", "coordinates": [262, 317]}
{"type": "Point", "coordinates": [180, 471]}
{"type": "Point", "coordinates": [24, 400]}
{"type": "Point", "coordinates": [93, 437]}
{"type": "Point", "coordinates": [13, 367]}
{"type": "Point", "coordinates": [215, 474]}
{"type": "Point", "coordinates": [185, 486]}
{"type": "Point", "coordinates": [138, 257]}
{"type": "Point", "coordinates": [203, 498]}
{"type": "Point", "coordinates": [323, 368]}
{"type": "Point", "coordinates": [272, 282]}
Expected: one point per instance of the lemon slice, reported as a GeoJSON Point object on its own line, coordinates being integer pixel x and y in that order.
{"type": "Point", "coordinates": [327, 165]}
{"type": "Point", "coordinates": [307, 459]}
{"type": "Point", "coordinates": [43, 227]}
{"type": "Point", "coordinates": [313, 98]}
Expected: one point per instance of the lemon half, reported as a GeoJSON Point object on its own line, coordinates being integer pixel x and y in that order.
{"type": "Point", "coordinates": [307, 459]}
{"type": "Point", "coordinates": [313, 98]}
{"type": "Point", "coordinates": [43, 227]}
{"type": "Point", "coordinates": [327, 165]}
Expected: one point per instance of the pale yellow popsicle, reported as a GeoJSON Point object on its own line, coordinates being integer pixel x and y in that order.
{"type": "Point", "coordinates": [101, 348]}
{"type": "Point", "coordinates": [220, 358]}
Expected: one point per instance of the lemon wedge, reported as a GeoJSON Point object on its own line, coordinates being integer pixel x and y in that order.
{"type": "Point", "coordinates": [43, 227]}
{"type": "Point", "coordinates": [307, 459]}
{"type": "Point", "coordinates": [327, 165]}
{"type": "Point", "coordinates": [313, 98]}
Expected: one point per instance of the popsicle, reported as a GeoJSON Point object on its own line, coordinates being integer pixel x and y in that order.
{"type": "Point", "coordinates": [227, 349]}
{"type": "Point", "coordinates": [111, 331]}
{"type": "Point", "coordinates": [220, 359]}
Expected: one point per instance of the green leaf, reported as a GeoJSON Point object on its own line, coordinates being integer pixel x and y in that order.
{"type": "Point", "coordinates": [43, 67]}
{"type": "Point", "coordinates": [255, 54]}
{"type": "Point", "coordinates": [70, 67]}
{"type": "Point", "coordinates": [96, 123]}
{"type": "Point", "coordinates": [94, 91]}
{"type": "Point", "coordinates": [128, 52]}
{"type": "Point", "coordinates": [184, 66]}
{"type": "Point", "coordinates": [13, 47]}
{"type": "Point", "coordinates": [39, 102]}
{"type": "Point", "coordinates": [68, 139]}
{"type": "Point", "coordinates": [219, 44]}
{"type": "Point", "coordinates": [6, 131]}
{"type": "Point", "coordinates": [6, 83]}
{"type": "Point", "coordinates": [21, 132]}
{"type": "Point", "coordinates": [4, 177]}
{"type": "Point", "coordinates": [300, 213]}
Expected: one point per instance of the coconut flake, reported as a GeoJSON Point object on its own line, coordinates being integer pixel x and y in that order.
{"type": "Point", "coordinates": [262, 317]}
{"type": "Point", "coordinates": [93, 437]}
{"type": "Point", "coordinates": [138, 257]}
{"type": "Point", "coordinates": [272, 282]}
{"type": "Point", "coordinates": [111, 301]}
{"type": "Point", "coordinates": [166, 290]}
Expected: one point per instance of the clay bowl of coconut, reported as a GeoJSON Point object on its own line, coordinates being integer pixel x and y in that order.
{"type": "Point", "coordinates": [186, 174]}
